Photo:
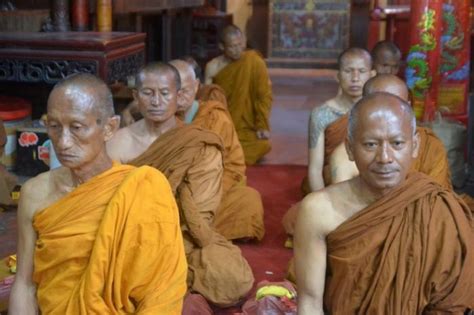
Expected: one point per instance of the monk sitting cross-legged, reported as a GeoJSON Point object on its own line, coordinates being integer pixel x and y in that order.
{"type": "Point", "coordinates": [191, 159]}
{"type": "Point", "coordinates": [95, 237]}
{"type": "Point", "coordinates": [240, 214]}
{"type": "Point", "coordinates": [244, 77]}
{"type": "Point", "coordinates": [389, 241]}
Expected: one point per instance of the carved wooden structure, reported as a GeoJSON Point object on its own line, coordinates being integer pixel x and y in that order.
{"type": "Point", "coordinates": [49, 57]}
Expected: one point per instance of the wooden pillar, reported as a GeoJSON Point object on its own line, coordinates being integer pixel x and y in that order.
{"type": "Point", "coordinates": [60, 15]}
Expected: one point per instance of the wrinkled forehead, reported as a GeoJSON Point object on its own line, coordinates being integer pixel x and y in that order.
{"type": "Point", "coordinates": [160, 79]}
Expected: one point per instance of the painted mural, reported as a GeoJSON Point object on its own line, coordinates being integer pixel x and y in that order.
{"type": "Point", "coordinates": [313, 29]}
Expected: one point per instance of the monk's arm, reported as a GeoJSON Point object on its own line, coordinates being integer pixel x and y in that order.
{"type": "Point", "coordinates": [117, 147]}
{"type": "Point", "coordinates": [262, 103]}
{"type": "Point", "coordinates": [210, 71]}
{"type": "Point", "coordinates": [310, 257]}
{"type": "Point", "coordinates": [316, 151]}
{"type": "Point", "coordinates": [23, 294]}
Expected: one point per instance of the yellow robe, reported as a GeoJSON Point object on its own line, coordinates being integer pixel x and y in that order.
{"type": "Point", "coordinates": [249, 96]}
{"type": "Point", "coordinates": [240, 214]}
{"type": "Point", "coordinates": [111, 246]}
{"type": "Point", "coordinates": [191, 159]}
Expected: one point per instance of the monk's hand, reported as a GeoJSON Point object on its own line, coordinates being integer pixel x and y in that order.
{"type": "Point", "coordinates": [263, 134]}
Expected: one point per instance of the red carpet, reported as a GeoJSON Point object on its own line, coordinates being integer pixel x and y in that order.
{"type": "Point", "coordinates": [280, 188]}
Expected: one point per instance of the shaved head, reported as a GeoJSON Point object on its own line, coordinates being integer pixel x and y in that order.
{"type": "Point", "coordinates": [354, 52]}
{"type": "Point", "coordinates": [90, 91]}
{"type": "Point", "coordinates": [386, 57]}
{"type": "Point", "coordinates": [386, 46]}
{"type": "Point", "coordinates": [157, 68]}
{"type": "Point", "coordinates": [196, 67]}
{"type": "Point", "coordinates": [185, 69]}
{"type": "Point", "coordinates": [229, 30]}
{"type": "Point", "coordinates": [387, 83]}
{"type": "Point", "coordinates": [379, 101]}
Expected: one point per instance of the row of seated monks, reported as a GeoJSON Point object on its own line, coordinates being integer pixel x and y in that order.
{"type": "Point", "coordinates": [141, 218]}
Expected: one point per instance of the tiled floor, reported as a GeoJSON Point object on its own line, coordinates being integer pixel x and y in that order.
{"type": "Point", "coordinates": [295, 93]}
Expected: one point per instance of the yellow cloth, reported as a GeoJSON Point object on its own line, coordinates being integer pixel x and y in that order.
{"type": "Point", "coordinates": [191, 159]}
{"type": "Point", "coordinates": [241, 212]}
{"type": "Point", "coordinates": [211, 92]}
{"type": "Point", "coordinates": [111, 246]}
{"type": "Point", "coordinates": [249, 96]}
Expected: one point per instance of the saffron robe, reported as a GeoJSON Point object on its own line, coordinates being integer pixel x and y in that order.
{"type": "Point", "coordinates": [191, 159]}
{"type": "Point", "coordinates": [249, 97]}
{"type": "Point", "coordinates": [410, 252]}
{"type": "Point", "coordinates": [211, 92]}
{"type": "Point", "coordinates": [111, 246]}
{"type": "Point", "coordinates": [240, 214]}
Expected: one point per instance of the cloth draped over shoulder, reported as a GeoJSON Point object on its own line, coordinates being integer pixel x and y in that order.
{"type": "Point", "coordinates": [191, 159]}
{"type": "Point", "coordinates": [111, 246]}
{"type": "Point", "coordinates": [249, 97]}
{"type": "Point", "coordinates": [334, 135]}
{"type": "Point", "coordinates": [211, 92]}
{"type": "Point", "coordinates": [241, 212]}
{"type": "Point", "coordinates": [411, 252]}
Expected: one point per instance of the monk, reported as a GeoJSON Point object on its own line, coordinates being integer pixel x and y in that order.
{"type": "Point", "coordinates": [355, 66]}
{"type": "Point", "coordinates": [387, 57]}
{"type": "Point", "coordinates": [7, 180]}
{"type": "Point", "coordinates": [191, 159]}
{"type": "Point", "coordinates": [431, 160]}
{"type": "Point", "coordinates": [244, 77]}
{"type": "Point", "coordinates": [206, 92]}
{"type": "Point", "coordinates": [240, 215]}
{"type": "Point", "coordinates": [389, 241]}
{"type": "Point", "coordinates": [95, 236]}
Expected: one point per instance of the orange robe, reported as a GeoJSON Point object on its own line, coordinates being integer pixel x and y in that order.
{"type": "Point", "coordinates": [410, 252]}
{"type": "Point", "coordinates": [211, 92]}
{"type": "Point", "coordinates": [240, 214]}
{"type": "Point", "coordinates": [191, 159]}
{"type": "Point", "coordinates": [111, 246]}
{"type": "Point", "coordinates": [248, 91]}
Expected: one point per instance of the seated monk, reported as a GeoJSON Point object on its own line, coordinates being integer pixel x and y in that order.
{"type": "Point", "coordinates": [387, 57]}
{"type": "Point", "coordinates": [244, 77]}
{"type": "Point", "coordinates": [355, 66]}
{"type": "Point", "coordinates": [95, 237]}
{"type": "Point", "coordinates": [191, 159]}
{"type": "Point", "coordinates": [206, 92]}
{"type": "Point", "coordinates": [7, 180]}
{"type": "Point", "coordinates": [389, 241]}
{"type": "Point", "coordinates": [240, 214]}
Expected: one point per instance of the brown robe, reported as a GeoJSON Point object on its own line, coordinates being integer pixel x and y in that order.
{"type": "Point", "coordinates": [191, 159]}
{"type": "Point", "coordinates": [240, 214]}
{"type": "Point", "coordinates": [410, 252]}
{"type": "Point", "coordinates": [211, 92]}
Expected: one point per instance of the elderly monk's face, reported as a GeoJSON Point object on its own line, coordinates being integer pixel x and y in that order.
{"type": "Point", "coordinates": [386, 63]}
{"type": "Point", "coordinates": [157, 96]}
{"type": "Point", "coordinates": [187, 95]}
{"type": "Point", "coordinates": [353, 73]}
{"type": "Point", "coordinates": [233, 46]}
{"type": "Point", "coordinates": [73, 126]}
{"type": "Point", "coordinates": [383, 147]}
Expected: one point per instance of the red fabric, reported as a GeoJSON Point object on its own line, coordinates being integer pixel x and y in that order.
{"type": "Point", "coordinates": [279, 186]}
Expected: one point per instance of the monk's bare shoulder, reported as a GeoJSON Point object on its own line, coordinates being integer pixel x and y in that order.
{"type": "Point", "coordinates": [321, 210]}
{"type": "Point", "coordinates": [213, 67]}
{"type": "Point", "coordinates": [41, 191]}
{"type": "Point", "coordinates": [121, 143]}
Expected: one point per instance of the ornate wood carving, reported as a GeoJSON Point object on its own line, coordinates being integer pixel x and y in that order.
{"type": "Point", "coordinates": [119, 69]}
{"type": "Point", "coordinates": [47, 71]}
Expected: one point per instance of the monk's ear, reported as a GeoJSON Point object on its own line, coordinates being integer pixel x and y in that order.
{"type": "Point", "coordinates": [338, 76]}
{"type": "Point", "coordinates": [416, 145]}
{"type": "Point", "coordinates": [373, 73]}
{"type": "Point", "coordinates": [221, 46]}
{"type": "Point", "coordinates": [111, 126]}
{"type": "Point", "coordinates": [135, 94]}
{"type": "Point", "coordinates": [348, 145]}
